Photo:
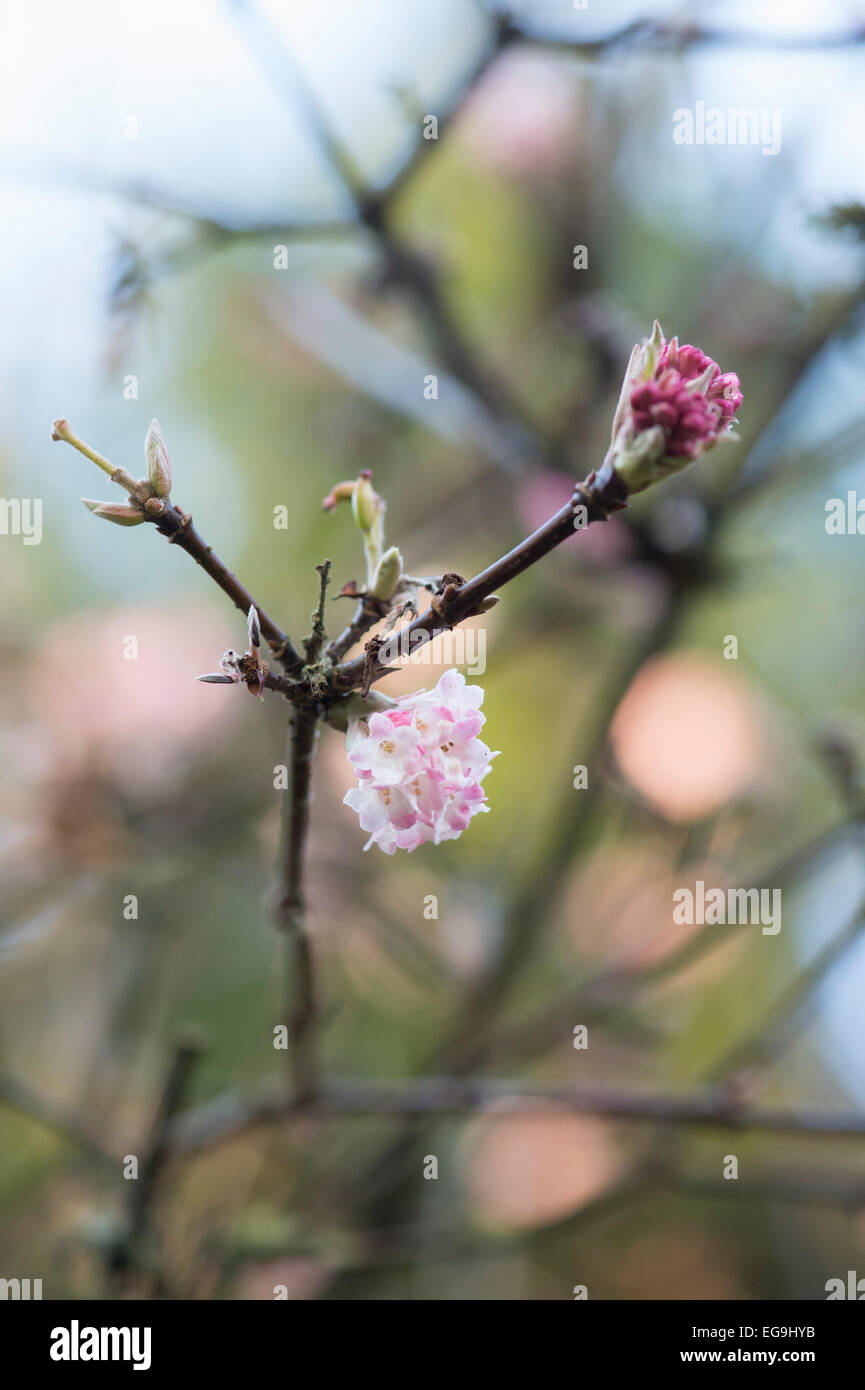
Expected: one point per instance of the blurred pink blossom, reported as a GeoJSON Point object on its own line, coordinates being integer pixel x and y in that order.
{"type": "Point", "coordinates": [115, 695]}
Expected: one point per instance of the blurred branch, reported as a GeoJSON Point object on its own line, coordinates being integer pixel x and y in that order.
{"type": "Point", "coordinates": [26, 1100]}
{"type": "Point", "coordinates": [712, 1107]}
{"type": "Point", "coordinates": [607, 993]}
{"type": "Point", "coordinates": [137, 1245]}
{"type": "Point", "coordinates": [774, 1033]}
{"type": "Point", "coordinates": [658, 34]}
{"type": "Point", "coordinates": [403, 265]}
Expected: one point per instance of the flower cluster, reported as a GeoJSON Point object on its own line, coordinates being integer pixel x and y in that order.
{"type": "Point", "coordinates": [419, 766]}
{"type": "Point", "coordinates": [676, 403]}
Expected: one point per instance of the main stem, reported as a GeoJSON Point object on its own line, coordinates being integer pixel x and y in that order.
{"type": "Point", "coordinates": [301, 1004]}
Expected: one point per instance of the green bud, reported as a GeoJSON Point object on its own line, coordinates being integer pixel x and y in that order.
{"type": "Point", "coordinates": [158, 465]}
{"type": "Point", "coordinates": [366, 504]}
{"type": "Point", "coordinates": [388, 574]}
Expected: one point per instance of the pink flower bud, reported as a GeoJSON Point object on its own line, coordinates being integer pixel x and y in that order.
{"type": "Point", "coordinates": [675, 405]}
{"type": "Point", "coordinates": [420, 766]}
{"type": "Point", "coordinates": [727, 393]}
{"type": "Point", "coordinates": [692, 362]}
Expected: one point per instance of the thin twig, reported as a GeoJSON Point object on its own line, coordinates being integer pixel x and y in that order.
{"type": "Point", "coordinates": [177, 526]}
{"type": "Point", "coordinates": [317, 637]}
{"type": "Point", "coordinates": [369, 611]}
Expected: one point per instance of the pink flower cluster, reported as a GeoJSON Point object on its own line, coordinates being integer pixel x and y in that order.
{"type": "Point", "coordinates": [692, 416]}
{"type": "Point", "coordinates": [420, 766]}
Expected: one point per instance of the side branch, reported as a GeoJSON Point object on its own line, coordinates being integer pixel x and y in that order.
{"type": "Point", "coordinates": [369, 611]}
{"type": "Point", "coordinates": [600, 495]}
{"type": "Point", "coordinates": [149, 499]}
{"type": "Point", "coordinates": [177, 526]}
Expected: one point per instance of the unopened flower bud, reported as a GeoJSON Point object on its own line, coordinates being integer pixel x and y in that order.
{"type": "Point", "coordinates": [158, 465]}
{"type": "Point", "coordinates": [117, 512]}
{"type": "Point", "coordinates": [675, 405]}
{"type": "Point", "coordinates": [388, 574]}
{"type": "Point", "coordinates": [366, 504]}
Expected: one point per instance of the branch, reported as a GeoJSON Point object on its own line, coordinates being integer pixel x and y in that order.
{"type": "Point", "coordinates": [608, 992]}
{"type": "Point", "coordinates": [676, 37]}
{"type": "Point", "coordinates": [290, 908]}
{"type": "Point", "coordinates": [23, 1098]}
{"type": "Point", "coordinates": [772, 1036]}
{"type": "Point", "coordinates": [711, 1108]}
{"type": "Point", "coordinates": [403, 265]}
{"type": "Point", "coordinates": [601, 494]}
{"type": "Point", "coordinates": [131, 1247]}
{"type": "Point", "coordinates": [176, 525]}
{"type": "Point", "coordinates": [318, 636]}
{"type": "Point", "coordinates": [369, 611]}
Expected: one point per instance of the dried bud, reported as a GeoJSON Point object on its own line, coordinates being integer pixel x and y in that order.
{"type": "Point", "coordinates": [117, 512]}
{"type": "Point", "coordinates": [388, 574]}
{"type": "Point", "coordinates": [343, 492]}
{"type": "Point", "coordinates": [158, 465]}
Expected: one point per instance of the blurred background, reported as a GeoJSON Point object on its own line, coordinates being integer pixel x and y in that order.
{"type": "Point", "coordinates": [153, 160]}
